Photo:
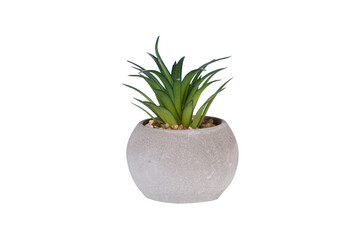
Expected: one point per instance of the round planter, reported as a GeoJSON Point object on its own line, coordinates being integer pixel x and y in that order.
{"type": "Point", "coordinates": [182, 166]}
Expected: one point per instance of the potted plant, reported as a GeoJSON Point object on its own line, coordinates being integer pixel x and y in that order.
{"type": "Point", "coordinates": [180, 155]}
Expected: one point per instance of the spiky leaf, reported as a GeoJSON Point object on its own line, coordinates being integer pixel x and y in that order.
{"type": "Point", "coordinates": [177, 96]}
{"type": "Point", "coordinates": [208, 63]}
{"type": "Point", "coordinates": [156, 61]}
{"type": "Point", "coordinates": [149, 99]}
{"type": "Point", "coordinates": [167, 85]}
{"type": "Point", "coordinates": [161, 112]}
{"type": "Point", "coordinates": [155, 109]}
{"type": "Point", "coordinates": [173, 70]}
{"type": "Point", "coordinates": [211, 99]}
{"type": "Point", "coordinates": [187, 114]}
{"type": "Point", "coordinates": [197, 117]}
{"type": "Point", "coordinates": [199, 91]}
{"type": "Point", "coordinates": [178, 69]}
{"type": "Point", "coordinates": [161, 63]}
{"type": "Point", "coordinates": [149, 75]}
{"type": "Point", "coordinates": [152, 84]}
{"type": "Point", "coordinates": [169, 117]}
{"type": "Point", "coordinates": [168, 103]}
{"type": "Point", "coordinates": [185, 84]}
{"type": "Point", "coordinates": [148, 114]}
{"type": "Point", "coordinates": [196, 83]}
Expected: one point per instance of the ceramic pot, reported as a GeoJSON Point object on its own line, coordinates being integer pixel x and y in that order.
{"type": "Point", "coordinates": [182, 166]}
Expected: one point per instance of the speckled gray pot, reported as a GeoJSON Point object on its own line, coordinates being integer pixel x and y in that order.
{"type": "Point", "coordinates": [182, 166]}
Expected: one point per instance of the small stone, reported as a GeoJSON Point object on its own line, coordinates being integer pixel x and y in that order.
{"type": "Point", "coordinates": [204, 124]}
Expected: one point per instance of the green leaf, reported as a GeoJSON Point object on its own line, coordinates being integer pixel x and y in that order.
{"type": "Point", "coordinates": [202, 67]}
{"type": "Point", "coordinates": [173, 71]}
{"type": "Point", "coordinates": [162, 65]}
{"type": "Point", "coordinates": [166, 83]}
{"type": "Point", "coordinates": [193, 89]}
{"type": "Point", "coordinates": [136, 65]}
{"type": "Point", "coordinates": [212, 61]}
{"type": "Point", "coordinates": [149, 99]}
{"type": "Point", "coordinates": [196, 83]}
{"type": "Point", "coordinates": [148, 114]}
{"type": "Point", "coordinates": [208, 103]}
{"type": "Point", "coordinates": [177, 96]}
{"type": "Point", "coordinates": [185, 84]}
{"type": "Point", "coordinates": [222, 86]}
{"type": "Point", "coordinates": [156, 61]}
{"type": "Point", "coordinates": [168, 103]}
{"type": "Point", "coordinates": [178, 69]}
{"type": "Point", "coordinates": [153, 108]}
{"type": "Point", "coordinates": [169, 117]}
{"type": "Point", "coordinates": [152, 84]}
{"type": "Point", "coordinates": [197, 117]}
{"type": "Point", "coordinates": [162, 113]}
{"type": "Point", "coordinates": [149, 75]}
{"type": "Point", "coordinates": [187, 114]}
{"type": "Point", "coordinates": [201, 113]}
{"type": "Point", "coordinates": [198, 92]}
{"type": "Point", "coordinates": [211, 99]}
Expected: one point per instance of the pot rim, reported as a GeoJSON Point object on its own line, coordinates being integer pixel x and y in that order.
{"type": "Point", "coordinates": [220, 123]}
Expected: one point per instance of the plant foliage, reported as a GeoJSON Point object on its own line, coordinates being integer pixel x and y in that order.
{"type": "Point", "coordinates": [176, 95]}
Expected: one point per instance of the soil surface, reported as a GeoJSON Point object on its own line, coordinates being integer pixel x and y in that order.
{"type": "Point", "coordinates": [206, 123]}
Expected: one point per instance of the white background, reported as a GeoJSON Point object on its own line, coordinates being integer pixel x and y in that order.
{"type": "Point", "coordinates": [293, 106]}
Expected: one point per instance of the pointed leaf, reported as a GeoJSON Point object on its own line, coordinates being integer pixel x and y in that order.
{"type": "Point", "coordinates": [148, 114]}
{"type": "Point", "coordinates": [156, 61]}
{"type": "Point", "coordinates": [211, 99]}
{"type": "Point", "coordinates": [169, 117]}
{"type": "Point", "coordinates": [196, 83]}
{"type": "Point", "coordinates": [136, 65]}
{"type": "Point", "coordinates": [222, 86]}
{"type": "Point", "coordinates": [185, 84]}
{"type": "Point", "coordinates": [198, 92]}
{"type": "Point", "coordinates": [193, 89]}
{"type": "Point", "coordinates": [149, 75]}
{"type": "Point", "coordinates": [153, 108]}
{"type": "Point", "coordinates": [197, 117]}
{"type": "Point", "coordinates": [162, 65]}
{"type": "Point", "coordinates": [149, 99]}
{"type": "Point", "coordinates": [152, 83]}
{"type": "Point", "coordinates": [212, 61]}
{"type": "Point", "coordinates": [168, 103]}
{"type": "Point", "coordinates": [168, 87]}
{"type": "Point", "coordinates": [187, 114]}
{"type": "Point", "coordinates": [208, 103]}
{"type": "Point", "coordinates": [162, 113]}
{"type": "Point", "coordinates": [178, 69]}
{"type": "Point", "coordinates": [173, 71]}
{"type": "Point", "coordinates": [177, 96]}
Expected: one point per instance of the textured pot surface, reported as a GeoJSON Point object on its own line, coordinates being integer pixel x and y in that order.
{"type": "Point", "coordinates": [182, 166]}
